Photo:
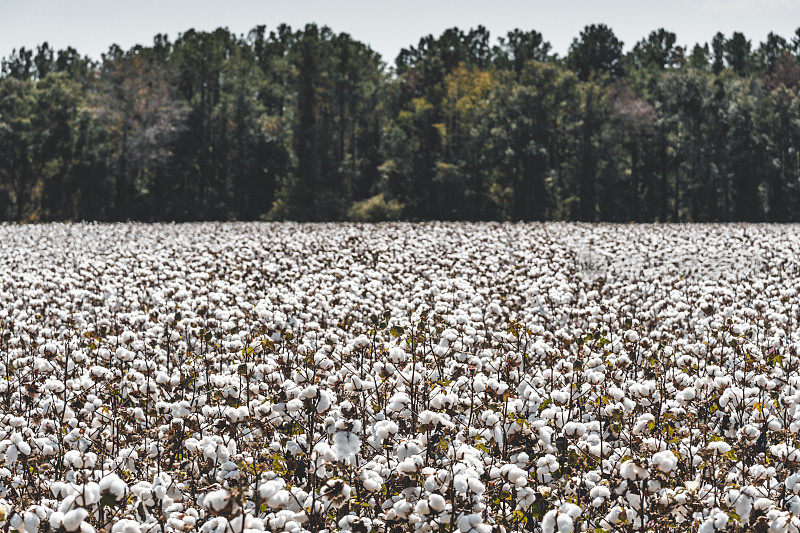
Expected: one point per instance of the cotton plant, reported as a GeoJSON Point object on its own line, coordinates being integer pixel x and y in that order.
{"type": "Point", "coordinates": [447, 377]}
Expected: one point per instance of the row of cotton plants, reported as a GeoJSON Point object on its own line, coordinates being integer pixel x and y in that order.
{"type": "Point", "coordinates": [236, 378]}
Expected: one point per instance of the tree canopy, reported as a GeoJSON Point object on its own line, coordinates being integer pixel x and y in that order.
{"type": "Point", "coordinates": [310, 124]}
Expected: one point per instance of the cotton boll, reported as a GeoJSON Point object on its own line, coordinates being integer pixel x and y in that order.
{"type": "Point", "coordinates": [632, 471]}
{"type": "Point", "coordinates": [346, 445]}
{"type": "Point", "coordinates": [72, 520]}
{"type": "Point", "coordinates": [278, 500]}
{"type": "Point", "coordinates": [56, 520]}
{"type": "Point", "coordinates": [31, 522]}
{"type": "Point", "coordinates": [762, 504]}
{"type": "Point", "coordinates": [436, 503]}
{"type": "Point", "coordinates": [549, 521]}
{"type": "Point", "coordinates": [719, 447]}
{"type": "Point", "coordinates": [372, 481]}
{"type": "Point", "coordinates": [665, 461]}
{"type": "Point", "coordinates": [599, 495]}
{"type": "Point", "coordinates": [422, 508]}
{"type": "Point", "coordinates": [460, 484]}
{"type": "Point", "coordinates": [294, 405]}
{"type": "Point", "coordinates": [472, 523]}
{"type": "Point", "coordinates": [125, 526]}
{"type": "Point", "coordinates": [564, 523]}
{"type": "Point", "coordinates": [384, 429]}
{"type": "Point", "coordinates": [113, 485]}
{"type": "Point", "coordinates": [336, 492]}
{"type": "Point", "coordinates": [397, 355]}
{"type": "Point", "coordinates": [217, 500]}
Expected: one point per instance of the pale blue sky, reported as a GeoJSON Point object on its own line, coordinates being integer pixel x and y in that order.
{"type": "Point", "coordinates": [92, 25]}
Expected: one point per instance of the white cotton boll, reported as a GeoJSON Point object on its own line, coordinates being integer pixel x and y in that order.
{"type": "Point", "coordinates": [436, 502]}
{"type": "Point", "coordinates": [719, 447]}
{"type": "Point", "coordinates": [665, 461]}
{"type": "Point", "coordinates": [460, 484]}
{"type": "Point", "coordinates": [346, 445]}
{"type": "Point", "coordinates": [475, 486]}
{"type": "Point", "coordinates": [31, 522]}
{"type": "Point", "coordinates": [409, 466]}
{"type": "Point", "coordinates": [613, 516]}
{"type": "Point", "coordinates": [403, 508]}
{"type": "Point", "coordinates": [422, 508]}
{"type": "Point", "coordinates": [73, 519]}
{"type": "Point", "coordinates": [324, 402]}
{"type": "Point", "coordinates": [12, 453]}
{"type": "Point", "coordinates": [279, 499]}
{"type": "Point", "coordinates": [744, 505]}
{"type": "Point", "coordinates": [470, 523]}
{"type": "Point", "coordinates": [294, 405]}
{"type": "Point", "coordinates": [56, 520]}
{"type": "Point", "coordinates": [707, 526]}
{"type": "Point", "coordinates": [545, 466]}
{"type": "Point", "coordinates": [521, 459]}
{"type": "Point", "coordinates": [268, 488]}
{"type": "Point", "coordinates": [89, 460]}
{"type": "Point", "coordinates": [126, 526]}
{"type": "Point", "coordinates": [574, 429]}
{"type": "Point", "coordinates": [793, 483]}
{"type": "Point", "coordinates": [549, 521]}
{"type": "Point", "coordinates": [73, 458]}
{"type": "Point", "coordinates": [23, 447]}
{"type": "Point", "coordinates": [631, 471]}
{"type": "Point", "coordinates": [113, 485]}
{"type": "Point", "coordinates": [599, 495]}
{"type": "Point", "coordinates": [571, 510]}
{"type": "Point", "coordinates": [88, 494]}
{"type": "Point", "coordinates": [565, 524]}
{"type": "Point", "coordinates": [762, 504]}
{"type": "Point", "coordinates": [398, 401]}
{"type": "Point", "coordinates": [397, 355]}
{"type": "Point", "coordinates": [516, 475]}
{"type": "Point", "coordinates": [372, 481]}
{"type": "Point", "coordinates": [384, 429]}
{"type": "Point", "coordinates": [309, 392]}
{"type": "Point", "coordinates": [217, 500]}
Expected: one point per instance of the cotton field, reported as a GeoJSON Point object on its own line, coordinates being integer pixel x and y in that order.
{"type": "Point", "coordinates": [480, 378]}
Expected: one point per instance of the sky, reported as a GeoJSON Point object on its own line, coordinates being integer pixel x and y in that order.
{"type": "Point", "coordinates": [387, 26]}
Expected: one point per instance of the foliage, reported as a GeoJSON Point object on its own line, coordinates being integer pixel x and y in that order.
{"type": "Point", "coordinates": [303, 124]}
{"type": "Point", "coordinates": [375, 209]}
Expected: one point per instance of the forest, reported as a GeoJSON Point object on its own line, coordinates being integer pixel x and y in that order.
{"type": "Point", "coordinates": [313, 125]}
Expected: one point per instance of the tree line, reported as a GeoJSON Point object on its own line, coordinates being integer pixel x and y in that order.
{"type": "Point", "coordinates": [308, 124]}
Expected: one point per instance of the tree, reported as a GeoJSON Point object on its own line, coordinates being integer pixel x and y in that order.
{"type": "Point", "coordinates": [738, 53]}
{"type": "Point", "coordinates": [743, 154]}
{"type": "Point", "coordinates": [771, 51]}
{"type": "Point", "coordinates": [718, 47]}
{"type": "Point", "coordinates": [518, 47]}
{"type": "Point", "coordinates": [592, 117]}
{"type": "Point", "coordinates": [310, 124]}
{"type": "Point", "coordinates": [632, 123]}
{"type": "Point", "coordinates": [534, 124]}
{"type": "Point", "coordinates": [657, 51]}
{"type": "Point", "coordinates": [698, 59]}
{"type": "Point", "coordinates": [596, 50]}
{"type": "Point", "coordinates": [19, 64]}
{"type": "Point", "coordinates": [17, 137]}
{"type": "Point", "coordinates": [142, 118]}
